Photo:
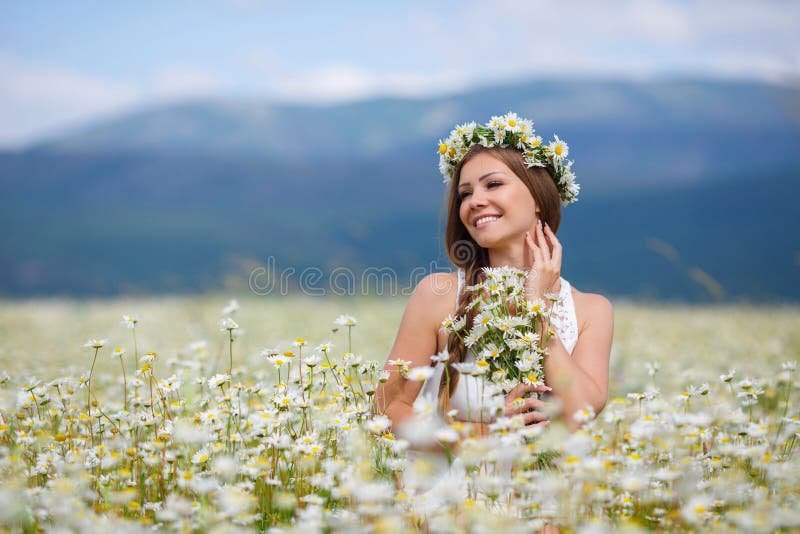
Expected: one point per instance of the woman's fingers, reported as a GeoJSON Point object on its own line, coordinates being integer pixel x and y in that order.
{"type": "Point", "coordinates": [521, 405]}
{"type": "Point", "coordinates": [557, 250]}
{"type": "Point", "coordinates": [542, 242]}
{"type": "Point", "coordinates": [532, 245]}
{"type": "Point", "coordinates": [527, 407]}
{"type": "Point", "coordinates": [540, 388]}
{"type": "Point", "coordinates": [534, 417]}
{"type": "Point", "coordinates": [538, 257]}
{"type": "Point", "coordinates": [531, 404]}
{"type": "Point", "coordinates": [516, 403]}
{"type": "Point", "coordinates": [522, 389]}
{"type": "Point", "coordinates": [517, 391]}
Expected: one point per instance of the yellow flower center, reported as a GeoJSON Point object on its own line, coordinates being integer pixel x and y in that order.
{"type": "Point", "coordinates": [559, 150]}
{"type": "Point", "coordinates": [512, 122]}
{"type": "Point", "coordinates": [443, 148]}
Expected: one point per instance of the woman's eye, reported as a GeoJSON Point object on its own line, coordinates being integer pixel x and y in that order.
{"type": "Point", "coordinates": [493, 184]}
{"type": "Point", "coordinates": [463, 195]}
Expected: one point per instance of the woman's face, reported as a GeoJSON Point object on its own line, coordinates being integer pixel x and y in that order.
{"type": "Point", "coordinates": [496, 207]}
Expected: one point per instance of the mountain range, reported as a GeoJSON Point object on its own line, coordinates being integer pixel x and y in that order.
{"type": "Point", "coordinates": [687, 190]}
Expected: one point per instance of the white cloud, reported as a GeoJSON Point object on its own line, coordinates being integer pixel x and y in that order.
{"type": "Point", "coordinates": [182, 81]}
{"type": "Point", "coordinates": [36, 97]}
{"type": "Point", "coordinates": [338, 82]}
{"type": "Point", "coordinates": [426, 50]}
{"type": "Point", "coordinates": [627, 38]}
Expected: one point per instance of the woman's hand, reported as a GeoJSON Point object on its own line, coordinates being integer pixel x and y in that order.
{"type": "Point", "coordinates": [529, 408]}
{"type": "Point", "coordinates": [546, 269]}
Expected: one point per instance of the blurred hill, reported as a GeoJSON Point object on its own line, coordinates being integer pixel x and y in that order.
{"type": "Point", "coordinates": [688, 190]}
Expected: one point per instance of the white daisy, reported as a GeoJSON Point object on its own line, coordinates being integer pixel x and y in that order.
{"type": "Point", "coordinates": [345, 320]}
{"type": "Point", "coordinates": [512, 122]}
{"type": "Point", "coordinates": [218, 380]}
{"type": "Point", "coordinates": [420, 374]}
{"type": "Point", "coordinates": [226, 323]}
{"type": "Point", "coordinates": [96, 343]}
{"type": "Point", "coordinates": [558, 149]}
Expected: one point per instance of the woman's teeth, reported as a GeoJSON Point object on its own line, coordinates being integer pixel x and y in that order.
{"type": "Point", "coordinates": [483, 221]}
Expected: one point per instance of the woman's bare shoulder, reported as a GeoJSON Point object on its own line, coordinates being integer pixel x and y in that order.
{"type": "Point", "coordinates": [438, 291]}
{"type": "Point", "coordinates": [419, 334]}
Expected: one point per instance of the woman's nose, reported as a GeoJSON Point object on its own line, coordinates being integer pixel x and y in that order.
{"type": "Point", "coordinates": [477, 200]}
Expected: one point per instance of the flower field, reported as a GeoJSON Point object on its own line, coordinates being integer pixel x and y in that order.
{"type": "Point", "coordinates": [197, 414]}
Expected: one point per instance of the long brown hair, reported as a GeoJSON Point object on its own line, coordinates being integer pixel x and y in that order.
{"type": "Point", "coordinates": [465, 253]}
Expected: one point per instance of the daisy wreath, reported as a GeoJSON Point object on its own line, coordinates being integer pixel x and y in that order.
{"type": "Point", "coordinates": [510, 130]}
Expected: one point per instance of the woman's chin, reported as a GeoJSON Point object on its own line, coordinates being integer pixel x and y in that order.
{"type": "Point", "coordinates": [490, 240]}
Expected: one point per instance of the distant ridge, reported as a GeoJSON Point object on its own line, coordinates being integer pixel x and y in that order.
{"type": "Point", "coordinates": [173, 198]}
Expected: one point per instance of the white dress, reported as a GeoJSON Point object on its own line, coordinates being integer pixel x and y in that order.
{"type": "Point", "coordinates": [471, 392]}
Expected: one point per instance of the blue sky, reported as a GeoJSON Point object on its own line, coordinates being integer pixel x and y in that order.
{"type": "Point", "coordinates": [67, 63]}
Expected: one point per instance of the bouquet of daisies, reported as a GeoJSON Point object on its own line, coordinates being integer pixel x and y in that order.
{"type": "Point", "coordinates": [505, 334]}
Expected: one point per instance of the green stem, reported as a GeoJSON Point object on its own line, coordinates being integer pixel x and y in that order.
{"type": "Point", "coordinates": [135, 351]}
{"type": "Point", "coordinates": [104, 414]}
{"type": "Point", "coordinates": [89, 394]}
{"type": "Point", "coordinates": [300, 369]}
{"type": "Point", "coordinates": [124, 383]}
{"type": "Point", "coordinates": [785, 410]}
{"type": "Point", "coordinates": [349, 339]}
{"type": "Point", "coordinates": [230, 354]}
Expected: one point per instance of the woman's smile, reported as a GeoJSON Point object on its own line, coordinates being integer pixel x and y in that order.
{"type": "Point", "coordinates": [485, 220]}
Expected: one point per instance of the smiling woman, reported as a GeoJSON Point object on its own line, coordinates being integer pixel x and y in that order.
{"type": "Point", "coordinates": [504, 209]}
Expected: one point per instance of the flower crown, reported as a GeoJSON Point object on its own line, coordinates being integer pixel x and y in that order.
{"type": "Point", "coordinates": [511, 131]}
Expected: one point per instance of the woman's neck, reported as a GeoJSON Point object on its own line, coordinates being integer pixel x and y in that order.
{"type": "Point", "coordinates": [511, 256]}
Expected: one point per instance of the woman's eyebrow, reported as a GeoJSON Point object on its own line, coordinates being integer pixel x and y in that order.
{"type": "Point", "coordinates": [484, 176]}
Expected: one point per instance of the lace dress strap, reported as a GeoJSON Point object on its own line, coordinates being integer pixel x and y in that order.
{"type": "Point", "coordinates": [563, 317]}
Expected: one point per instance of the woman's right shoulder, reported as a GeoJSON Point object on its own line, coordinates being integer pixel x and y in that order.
{"type": "Point", "coordinates": [438, 286]}
{"type": "Point", "coordinates": [436, 294]}
{"type": "Point", "coordinates": [433, 299]}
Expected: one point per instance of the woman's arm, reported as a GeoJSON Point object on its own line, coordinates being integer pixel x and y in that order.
{"type": "Point", "coordinates": [416, 342]}
{"type": "Point", "coordinates": [581, 380]}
